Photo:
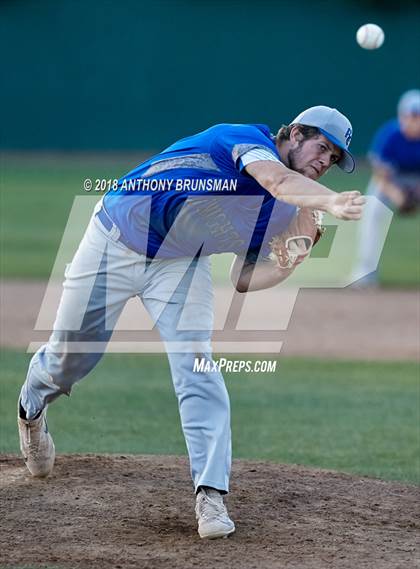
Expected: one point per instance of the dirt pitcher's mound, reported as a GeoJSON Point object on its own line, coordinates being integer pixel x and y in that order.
{"type": "Point", "coordinates": [138, 511]}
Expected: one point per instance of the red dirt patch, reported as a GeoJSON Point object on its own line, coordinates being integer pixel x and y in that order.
{"type": "Point", "coordinates": [102, 511]}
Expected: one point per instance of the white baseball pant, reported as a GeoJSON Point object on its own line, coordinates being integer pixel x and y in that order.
{"type": "Point", "coordinates": [103, 275]}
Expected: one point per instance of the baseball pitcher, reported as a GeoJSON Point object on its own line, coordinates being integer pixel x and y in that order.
{"type": "Point", "coordinates": [231, 188]}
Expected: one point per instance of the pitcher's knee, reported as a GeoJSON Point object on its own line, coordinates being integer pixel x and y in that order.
{"type": "Point", "coordinates": [67, 356]}
{"type": "Point", "coordinates": [68, 368]}
{"type": "Point", "coordinates": [207, 388]}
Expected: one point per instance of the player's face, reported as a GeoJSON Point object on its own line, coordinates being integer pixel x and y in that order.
{"type": "Point", "coordinates": [410, 126]}
{"type": "Point", "coordinates": [312, 157]}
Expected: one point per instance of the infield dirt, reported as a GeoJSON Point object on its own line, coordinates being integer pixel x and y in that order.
{"type": "Point", "coordinates": [102, 511]}
{"type": "Point", "coordinates": [327, 323]}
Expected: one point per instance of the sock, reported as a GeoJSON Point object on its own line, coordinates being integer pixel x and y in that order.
{"type": "Point", "coordinates": [22, 413]}
{"type": "Point", "coordinates": [211, 488]}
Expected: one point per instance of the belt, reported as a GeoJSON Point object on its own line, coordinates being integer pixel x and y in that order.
{"type": "Point", "coordinates": [107, 222]}
{"type": "Point", "coordinates": [105, 219]}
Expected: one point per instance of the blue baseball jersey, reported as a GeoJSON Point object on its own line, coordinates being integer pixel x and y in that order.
{"type": "Point", "coordinates": [195, 196]}
{"type": "Point", "coordinates": [392, 149]}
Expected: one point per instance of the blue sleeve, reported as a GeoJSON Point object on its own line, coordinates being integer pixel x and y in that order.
{"type": "Point", "coordinates": [383, 148]}
{"type": "Point", "coordinates": [234, 140]}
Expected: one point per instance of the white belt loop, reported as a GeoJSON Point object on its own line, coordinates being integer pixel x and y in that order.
{"type": "Point", "coordinates": [115, 233]}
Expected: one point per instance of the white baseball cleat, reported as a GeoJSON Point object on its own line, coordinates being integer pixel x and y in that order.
{"type": "Point", "coordinates": [212, 516]}
{"type": "Point", "coordinates": [36, 444]}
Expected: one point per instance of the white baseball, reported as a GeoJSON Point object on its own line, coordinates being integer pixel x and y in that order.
{"type": "Point", "coordinates": [370, 36]}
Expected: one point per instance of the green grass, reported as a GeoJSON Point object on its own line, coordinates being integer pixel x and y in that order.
{"type": "Point", "coordinates": [349, 416]}
{"type": "Point", "coordinates": [37, 193]}
{"type": "Point", "coordinates": [36, 197]}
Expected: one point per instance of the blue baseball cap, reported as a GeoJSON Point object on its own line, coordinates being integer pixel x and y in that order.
{"type": "Point", "coordinates": [334, 126]}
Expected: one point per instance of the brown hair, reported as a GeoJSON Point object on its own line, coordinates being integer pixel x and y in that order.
{"type": "Point", "coordinates": [306, 131]}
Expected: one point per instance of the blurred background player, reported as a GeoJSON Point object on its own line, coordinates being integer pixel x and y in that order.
{"type": "Point", "coordinates": [395, 160]}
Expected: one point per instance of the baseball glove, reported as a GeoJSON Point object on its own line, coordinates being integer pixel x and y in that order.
{"type": "Point", "coordinates": [411, 201]}
{"type": "Point", "coordinates": [292, 246]}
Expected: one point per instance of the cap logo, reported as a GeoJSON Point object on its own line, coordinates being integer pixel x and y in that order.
{"type": "Point", "coordinates": [348, 135]}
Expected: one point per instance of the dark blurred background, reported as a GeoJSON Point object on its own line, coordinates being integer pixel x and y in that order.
{"type": "Point", "coordinates": [95, 75]}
